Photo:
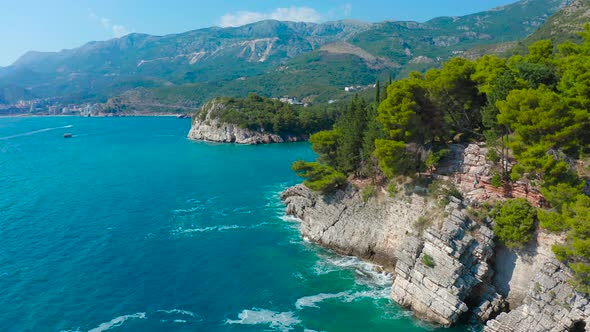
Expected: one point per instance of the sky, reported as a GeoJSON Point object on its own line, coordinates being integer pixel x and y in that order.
{"type": "Point", "coordinates": [53, 25]}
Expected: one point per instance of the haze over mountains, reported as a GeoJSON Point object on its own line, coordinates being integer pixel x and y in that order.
{"type": "Point", "coordinates": [306, 60]}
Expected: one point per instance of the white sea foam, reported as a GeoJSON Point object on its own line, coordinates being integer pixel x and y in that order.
{"type": "Point", "coordinates": [278, 321]}
{"type": "Point", "coordinates": [218, 228]}
{"type": "Point", "coordinates": [182, 321]}
{"type": "Point", "coordinates": [179, 312]}
{"type": "Point", "coordinates": [346, 297]}
{"type": "Point", "coordinates": [34, 132]}
{"type": "Point", "coordinates": [116, 322]}
{"type": "Point", "coordinates": [209, 229]}
{"type": "Point", "coordinates": [293, 219]}
{"type": "Point", "coordinates": [366, 273]}
{"type": "Point", "coordinates": [189, 210]}
{"type": "Point", "coordinates": [313, 300]}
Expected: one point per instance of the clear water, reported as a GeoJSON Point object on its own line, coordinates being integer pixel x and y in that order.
{"type": "Point", "coordinates": [129, 226]}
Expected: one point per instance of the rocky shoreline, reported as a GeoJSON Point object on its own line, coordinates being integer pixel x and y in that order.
{"type": "Point", "coordinates": [209, 128]}
{"type": "Point", "coordinates": [447, 268]}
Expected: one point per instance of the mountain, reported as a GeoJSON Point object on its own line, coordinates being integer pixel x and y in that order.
{"type": "Point", "coordinates": [195, 56]}
{"type": "Point", "coordinates": [564, 25]}
{"type": "Point", "coordinates": [306, 60]}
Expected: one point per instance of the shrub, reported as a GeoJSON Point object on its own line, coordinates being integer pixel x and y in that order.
{"type": "Point", "coordinates": [368, 192]}
{"type": "Point", "coordinates": [392, 189]}
{"type": "Point", "coordinates": [515, 221]}
{"type": "Point", "coordinates": [435, 157]}
{"type": "Point", "coordinates": [493, 156]}
{"type": "Point", "coordinates": [422, 223]}
{"type": "Point", "coordinates": [428, 261]}
{"type": "Point", "coordinates": [496, 180]}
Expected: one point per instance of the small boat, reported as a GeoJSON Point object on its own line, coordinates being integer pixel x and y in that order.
{"type": "Point", "coordinates": [68, 135]}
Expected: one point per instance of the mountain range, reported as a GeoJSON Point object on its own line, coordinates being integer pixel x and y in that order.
{"type": "Point", "coordinates": [314, 62]}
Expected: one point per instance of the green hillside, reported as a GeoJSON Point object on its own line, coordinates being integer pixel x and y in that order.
{"type": "Point", "coordinates": [305, 60]}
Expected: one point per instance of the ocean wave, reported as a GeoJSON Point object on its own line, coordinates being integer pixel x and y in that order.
{"type": "Point", "coordinates": [116, 322]}
{"type": "Point", "coordinates": [217, 228]}
{"type": "Point", "coordinates": [277, 321]}
{"type": "Point", "coordinates": [178, 316]}
{"type": "Point", "coordinates": [366, 273]}
{"type": "Point", "coordinates": [287, 218]}
{"type": "Point", "coordinates": [209, 229]}
{"type": "Point", "coordinates": [312, 301]}
{"type": "Point", "coordinates": [34, 132]}
{"type": "Point", "coordinates": [179, 312]}
{"type": "Point", "coordinates": [189, 210]}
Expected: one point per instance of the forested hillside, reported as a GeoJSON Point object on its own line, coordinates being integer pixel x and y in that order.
{"type": "Point", "coordinates": [533, 111]}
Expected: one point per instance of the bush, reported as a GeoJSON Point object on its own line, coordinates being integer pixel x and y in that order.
{"type": "Point", "coordinates": [496, 181]}
{"type": "Point", "coordinates": [493, 156]}
{"type": "Point", "coordinates": [435, 157]}
{"type": "Point", "coordinates": [392, 189]}
{"type": "Point", "coordinates": [422, 223]}
{"type": "Point", "coordinates": [368, 192]}
{"type": "Point", "coordinates": [515, 221]}
{"type": "Point", "coordinates": [428, 261]}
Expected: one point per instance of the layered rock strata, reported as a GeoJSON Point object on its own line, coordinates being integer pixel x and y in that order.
{"type": "Point", "coordinates": [347, 225]}
{"type": "Point", "coordinates": [438, 272]}
{"type": "Point", "coordinates": [386, 233]}
{"type": "Point", "coordinates": [551, 304]}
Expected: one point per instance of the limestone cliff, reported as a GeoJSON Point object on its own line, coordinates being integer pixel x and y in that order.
{"type": "Point", "coordinates": [207, 127]}
{"type": "Point", "coordinates": [446, 267]}
{"type": "Point", "coordinates": [550, 305]}
{"type": "Point", "coordinates": [388, 231]}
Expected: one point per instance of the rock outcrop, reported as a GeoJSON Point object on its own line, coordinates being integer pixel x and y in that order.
{"type": "Point", "coordinates": [551, 305]}
{"type": "Point", "coordinates": [347, 225]}
{"type": "Point", "coordinates": [207, 127]}
{"type": "Point", "coordinates": [388, 233]}
{"type": "Point", "coordinates": [439, 272]}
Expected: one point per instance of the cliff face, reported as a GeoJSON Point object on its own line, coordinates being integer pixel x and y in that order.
{"type": "Point", "coordinates": [444, 273]}
{"type": "Point", "coordinates": [388, 232]}
{"type": "Point", "coordinates": [344, 223]}
{"type": "Point", "coordinates": [446, 267]}
{"type": "Point", "coordinates": [209, 128]}
{"type": "Point", "coordinates": [550, 305]}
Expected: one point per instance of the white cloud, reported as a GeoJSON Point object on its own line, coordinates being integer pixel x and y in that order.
{"type": "Point", "coordinates": [119, 30]}
{"type": "Point", "coordinates": [295, 14]}
{"type": "Point", "coordinates": [115, 30]}
{"type": "Point", "coordinates": [347, 9]}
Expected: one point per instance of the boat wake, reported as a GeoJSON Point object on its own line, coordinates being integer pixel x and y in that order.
{"type": "Point", "coordinates": [33, 132]}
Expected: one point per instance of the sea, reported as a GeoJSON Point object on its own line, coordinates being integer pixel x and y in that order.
{"type": "Point", "coordinates": [130, 226]}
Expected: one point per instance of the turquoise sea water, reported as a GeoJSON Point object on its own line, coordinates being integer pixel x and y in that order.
{"type": "Point", "coordinates": [129, 226]}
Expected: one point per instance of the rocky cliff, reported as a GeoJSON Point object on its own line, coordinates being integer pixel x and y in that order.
{"type": "Point", "coordinates": [446, 266]}
{"type": "Point", "coordinates": [391, 232]}
{"type": "Point", "coordinates": [550, 305]}
{"type": "Point", "coordinates": [207, 127]}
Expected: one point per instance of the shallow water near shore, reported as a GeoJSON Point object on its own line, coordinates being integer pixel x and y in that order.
{"type": "Point", "coordinates": [129, 226]}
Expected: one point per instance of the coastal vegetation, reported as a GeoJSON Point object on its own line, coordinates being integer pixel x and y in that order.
{"type": "Point", "coordinates": [270, 115]}
{"type": "Point", "coordinates": [533, 111]}
{"type": "Point", "coordinates": [514, 222]}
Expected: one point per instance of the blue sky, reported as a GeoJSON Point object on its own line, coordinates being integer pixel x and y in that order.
{"type": "Point", "coordinates": [51, 25]}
